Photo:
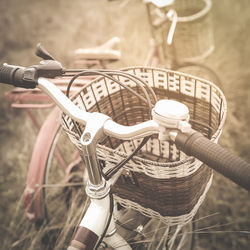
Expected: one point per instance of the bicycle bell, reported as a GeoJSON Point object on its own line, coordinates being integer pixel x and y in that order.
{"type": "Point", "coordinates": [171, 115]}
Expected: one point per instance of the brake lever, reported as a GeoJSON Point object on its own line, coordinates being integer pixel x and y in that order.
{"type": "Point", "coordinates": [48, 67]}
{"type": "Point", "coordinates": [43, 53]}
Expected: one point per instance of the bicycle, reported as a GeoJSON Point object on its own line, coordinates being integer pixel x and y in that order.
{"type": "Point", "coordinates": [36, 189]}
{"type": "Point", "coordinates": [182, 36]}
{"type": "Point", "coordinates": [76, 163]}
{"type": "Point", "coordinates": [33, 193]}
{"type": "Point", "coordinates": [172, 127]}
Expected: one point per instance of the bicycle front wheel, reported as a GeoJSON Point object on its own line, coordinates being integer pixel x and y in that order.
{"type": "Point", "coordinates": [146, 233]}
{"type": "Point", "coordinates": [63, 177]}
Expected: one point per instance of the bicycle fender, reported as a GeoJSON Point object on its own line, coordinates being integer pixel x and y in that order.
{"type": "Point", "coordinates": [33, 193]}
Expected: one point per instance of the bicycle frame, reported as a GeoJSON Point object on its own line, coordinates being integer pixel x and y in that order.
{"type": "Point", "coordinates": [95, 221]}
{"type": "Point", "coordinates": [165, 123]}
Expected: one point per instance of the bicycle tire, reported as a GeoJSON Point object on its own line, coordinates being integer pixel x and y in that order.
{"type": "Point", "coordinates": [200, 70]}
{"type": "Point", "coordinates": [143, 233]}
{"type": "Point", "coordinates": [58, 185]}
{"type": "Point", "coordinates": [62, 194]}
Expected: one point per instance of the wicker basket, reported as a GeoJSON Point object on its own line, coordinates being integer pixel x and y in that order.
{"type": "Point", "coordinates": [160, 181]}
{"type": "Point", "coordinates": [193, 37]}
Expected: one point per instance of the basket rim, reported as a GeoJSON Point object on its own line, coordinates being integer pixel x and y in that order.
{"type": "Point", "coordinates": [201, 13]}
{"type": "Point", "coordinates": [222, 96]}
{"type": "Point", "coordinates": [163, 165]}
{"type": "Point", "coordinates": [194, 77]}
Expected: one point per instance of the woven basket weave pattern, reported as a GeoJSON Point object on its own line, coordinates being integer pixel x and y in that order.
{"type": "Point", "coordinates": [160, 178]}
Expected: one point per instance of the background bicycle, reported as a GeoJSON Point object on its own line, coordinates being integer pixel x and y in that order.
{"type": "Point", "coordinates": [231, 65]}
{"type": "Point", "coordinates": [182, 36]}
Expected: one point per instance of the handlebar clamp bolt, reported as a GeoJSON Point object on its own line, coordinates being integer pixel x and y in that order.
{"type": "Point", "coordinates": [86, 137]}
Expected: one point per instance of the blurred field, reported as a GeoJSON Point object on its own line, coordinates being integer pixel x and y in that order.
{"type": "Point", "coordinates": [63, 26]}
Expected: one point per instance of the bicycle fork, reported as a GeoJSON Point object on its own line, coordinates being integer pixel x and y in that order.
{"type": "Point", "coordinates": [98, 223]}
{"type": "Point", "coordinates": [92, 226]}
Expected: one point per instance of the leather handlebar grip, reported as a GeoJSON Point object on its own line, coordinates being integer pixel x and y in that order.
{"type": "Point", "coordinates": [6, 74]}
{"type": "Point", "coordinates": [14, 75]}
{"type": "Point", "coordinates": [216, 157]}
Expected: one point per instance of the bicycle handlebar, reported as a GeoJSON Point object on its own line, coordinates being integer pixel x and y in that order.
{"type": "Point", "coordinates": [194, 144]}
{"type": "Point", "coordinates": [27, 77]}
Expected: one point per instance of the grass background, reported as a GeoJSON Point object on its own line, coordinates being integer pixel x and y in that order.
{"type": "Point", "coordinates": [63, 26]}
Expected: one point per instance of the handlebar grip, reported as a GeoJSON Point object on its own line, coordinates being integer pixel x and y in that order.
{"type": "Point", "coordinates": [216, 157]}
{"type": "Point", "coordinates": [14, 75]}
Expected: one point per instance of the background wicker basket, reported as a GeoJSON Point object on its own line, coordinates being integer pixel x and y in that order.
{"type": "Point", "coordinates": [160, 180]}
{"type": "Point", "coordinates": [193, 38]}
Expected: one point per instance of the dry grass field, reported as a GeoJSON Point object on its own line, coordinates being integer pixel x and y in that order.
{"type": "Point", "coordinates": [62, 26]}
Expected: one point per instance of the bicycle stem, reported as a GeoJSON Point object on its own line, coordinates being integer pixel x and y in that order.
{"type": "Point", "coordinates": [92, 134]}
